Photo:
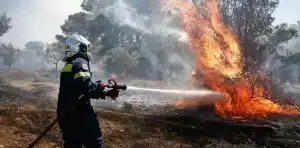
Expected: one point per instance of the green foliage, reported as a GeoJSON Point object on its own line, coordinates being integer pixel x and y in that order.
{"type": "Point", "coordinates": [281, 34]}
{"type": "Point", "coordinates": [94, 5]}
{"type": "Point", "coordinates": [9, 54]}
{"type": "Point", "coordinates": [106, 35]}
{"type": "Point", "coordinates": [60, 38]}
{"type": "Point", "coordinates": [291, 55]}
{"type": "Point", "coordinates": [75, 23]}
{"type": "Point", "coordinates": [54, 53]}
{"type": "Point", "coordinates": [252, 22]}
{"type": "Point", "coordinates": [92, 29]}
{"type": "Point", "coordinates": [121, 59]}
{"type": "Point", "coordinates": [102, 29]}
{"type": "Point", "coordinates": [36, 46]}
{"type": "Point", "coordinates": [5, 23]}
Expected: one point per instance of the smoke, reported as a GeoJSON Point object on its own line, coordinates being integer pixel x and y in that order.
{"type": "Point", "coordinates": [284, 65]}
{"type": "Point", "coordinates": [27, 60]}
{"type": "Point", "coordinates": [163, 38]}
{"type": "Point", "coordinates": [156, 22]}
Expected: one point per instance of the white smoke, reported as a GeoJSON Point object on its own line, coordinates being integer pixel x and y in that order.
{"type": "Point", "coordinates": [155, 23]}
{"type": "Point", "coordinates": [30, 61]}
{"type": "Point", "coordinates": [284, 67]}
{"type": "Point", "coordinates": [159, 22]}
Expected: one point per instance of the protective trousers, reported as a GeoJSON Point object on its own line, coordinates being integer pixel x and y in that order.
{"type": "Point", "coordinates": [81, 129]}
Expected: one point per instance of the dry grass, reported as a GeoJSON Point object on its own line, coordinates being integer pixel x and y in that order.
{"type": "Point", "coordinates": [24, 114]}
{"type": "Point", "coordinates": [25, 111]}
{"type": "Point", "coordinates": [120, 130]}
{"type": "Point", "coordinates": [123, 133]}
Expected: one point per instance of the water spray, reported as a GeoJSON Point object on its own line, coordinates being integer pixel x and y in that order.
{"type": "Point", "coordinates": [170, 91]}
{"type": "Point", "coordinates": [190, 93]}
{"type": "Point", "coordinates": [200, 95]}
{"type": "Point", "coordinates": [205, 96]}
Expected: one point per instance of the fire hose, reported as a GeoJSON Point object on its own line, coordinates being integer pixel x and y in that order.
{"type": "Point", "coordinates": [111, 84]}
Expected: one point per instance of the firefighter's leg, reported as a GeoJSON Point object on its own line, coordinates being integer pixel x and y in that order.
{"type": "Point", "coordinates": [92, 132]}
{"type": "Point", "coordinates": [71, 133]}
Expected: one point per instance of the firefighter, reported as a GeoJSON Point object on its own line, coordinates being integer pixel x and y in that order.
{"type": "Point", "coordinates": [80, 126]}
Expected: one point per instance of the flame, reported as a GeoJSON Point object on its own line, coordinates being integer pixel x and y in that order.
{"type": "Point", "coordinates": [123, 74]}
{"type": "Point", "coordinates": [113, 76]}
{"type": "Point", "coordinates": [219, 60]}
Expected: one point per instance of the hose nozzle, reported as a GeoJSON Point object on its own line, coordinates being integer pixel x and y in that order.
{"type": "Point", "coordinates": [113, 84]}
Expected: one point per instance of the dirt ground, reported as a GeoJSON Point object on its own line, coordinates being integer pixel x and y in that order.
{"type": "Point", "coordinates": [19, 127]}
{"type": "Point", "coordinates": [25, 110]}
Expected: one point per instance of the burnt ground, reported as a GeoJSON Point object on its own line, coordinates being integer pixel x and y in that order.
{"type": "Point", "coordinates": [25, 113]}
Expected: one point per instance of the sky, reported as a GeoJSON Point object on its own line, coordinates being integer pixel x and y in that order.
{"type": "Point", "coordinates": [36, 20]}
{"type": "Point", "coordinates": [288, 11]}
{"type": "Point", "coordinates": [40, 20]}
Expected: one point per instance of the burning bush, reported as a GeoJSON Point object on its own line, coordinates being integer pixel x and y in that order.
{"type": "Point", "coordinates": [220, 62]}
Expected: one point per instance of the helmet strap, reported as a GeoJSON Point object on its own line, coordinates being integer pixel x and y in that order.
{"type": "Point", "coordinates": [82, 48]}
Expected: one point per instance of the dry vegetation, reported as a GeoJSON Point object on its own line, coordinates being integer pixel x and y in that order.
{"type": "Point", "coordinates": [25, 113]}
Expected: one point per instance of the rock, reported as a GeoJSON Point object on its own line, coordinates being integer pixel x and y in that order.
{"type": "Point", "coordinates": [2, 120]}
{"type": "Point", "coordinates": [20, 121]}
{"type": "Point", "coordinates": [127, 107]}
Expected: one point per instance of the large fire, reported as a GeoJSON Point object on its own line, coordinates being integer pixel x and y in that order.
{"type": "Point", "coordinates": [219, 60]}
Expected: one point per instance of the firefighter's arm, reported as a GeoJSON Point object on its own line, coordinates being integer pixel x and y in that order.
{"type": "Point", "coordinates": [83, 82]}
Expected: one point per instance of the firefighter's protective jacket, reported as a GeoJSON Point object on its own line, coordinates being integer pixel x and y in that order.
{"type": "Point", "coordinates": [75, 80]}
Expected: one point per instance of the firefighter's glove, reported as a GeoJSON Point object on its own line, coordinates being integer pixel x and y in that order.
{"type": "Point", "coordinates": [113, 93]}
{"type": "Point", "coordinates": [99, 90]}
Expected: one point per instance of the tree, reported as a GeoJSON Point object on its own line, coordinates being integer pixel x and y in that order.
{"type": "Point", "coordinates": [99, 27]}
{"type": "Point", "coordinates": [54, 53]}
{"type": "Point", "coordinates": [286, 66]}
{"type": "Point", "coordinates": [5, 23]}
{"type": "Point", "coordinates": [36, 46]}
{"type": "Point", "coordinates": [163, 57]}
{"type": "Point", "coordinates": [95, 5]}
{"type": "Point", "coordinates": [92, 29]}
{"type": "Point", "coordinates": [107, 33]}
{"type": "Point", "coordinates": [9, 54]}
{"type": "Point", "coordinates": [120, 60]}
{"type": "Point", "coordinates": [60, 38]}
{"type": "Point", "coordinates": [252, 21]}
{"type": "Point", "coordinates": [280, 35]}
{"type": "Point", "coordinates": [293, 45]}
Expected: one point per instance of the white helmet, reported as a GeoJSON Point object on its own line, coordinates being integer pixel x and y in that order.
{"type": "Point", "coordinates": [76, 44]}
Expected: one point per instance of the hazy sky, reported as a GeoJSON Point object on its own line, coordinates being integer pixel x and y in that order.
{"type": "Point", "coordinates": [41, 19]}
{"type": "Point", "coordinates": [36, 19]}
